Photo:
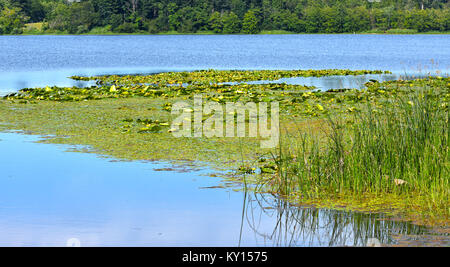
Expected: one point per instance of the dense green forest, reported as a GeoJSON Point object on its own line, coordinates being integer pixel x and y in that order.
{"type": "Point", "coordinates": [223, 16]}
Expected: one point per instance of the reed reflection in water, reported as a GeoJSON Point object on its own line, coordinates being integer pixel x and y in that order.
{"type": "Point", "coordinates": [306, 226]}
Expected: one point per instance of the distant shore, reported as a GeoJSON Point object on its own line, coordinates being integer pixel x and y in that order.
{"type": "Point", "coordinates": [211, 33]}
{"type": "Point", "coordinates": [36, 29]}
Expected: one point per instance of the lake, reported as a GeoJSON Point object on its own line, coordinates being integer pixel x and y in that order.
{"type": "Point", "coordinates": [32, 61]}
{"type": "Point", "coordinates": [49, 196]}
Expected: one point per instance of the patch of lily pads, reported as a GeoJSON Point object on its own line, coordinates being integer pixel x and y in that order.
{"type": "Point", "coordinates": [295, 100]}
{"type": "Point", "coordinates": [220, 76]}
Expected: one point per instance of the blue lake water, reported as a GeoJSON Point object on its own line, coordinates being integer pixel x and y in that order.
{"type": "Point", "coordinates": [32, 61]}
{"type": "Point", "coordinates": [49, 196]}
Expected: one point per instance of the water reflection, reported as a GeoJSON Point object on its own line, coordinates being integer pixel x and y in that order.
{"type": "Point", "coordinates": [301, 226]}
{"type": "Point", "coordinates": [14, 81]}
{"type": "Point", "coordinates": [48, 196]}
{"type": "Point", "coordinates": [346, 82]}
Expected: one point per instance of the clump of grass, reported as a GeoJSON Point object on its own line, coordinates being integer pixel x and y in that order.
{"type": "Point", "coordinates": [401, 31]}
{"type": "Point", "coordinates": [101, 30]}
{"type": "Point", "coordinates": [276, 32]}
{"type": "Point", "coordinates": [400, 150]}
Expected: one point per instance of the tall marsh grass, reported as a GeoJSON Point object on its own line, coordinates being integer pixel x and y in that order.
{"type": "Point", "coordinates": [398, 149]}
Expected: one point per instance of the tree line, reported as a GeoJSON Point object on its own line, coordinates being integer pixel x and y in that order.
{"type": "Point", "coordinates": [224, 16]}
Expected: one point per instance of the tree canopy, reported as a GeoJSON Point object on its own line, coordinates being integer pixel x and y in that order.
{"type": "Point", "coordinates": [226, 16]}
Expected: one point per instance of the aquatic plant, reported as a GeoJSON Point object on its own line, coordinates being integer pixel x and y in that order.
{"type": "Point", "coordinates": [400, 150]}
{"type": "Point", "coordinates": [220, 76]}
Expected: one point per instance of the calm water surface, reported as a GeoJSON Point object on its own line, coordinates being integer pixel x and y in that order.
{"type": "Point", "coordinates": [48, 196]}
{"type": "Point", "coordinates": [31, 61]}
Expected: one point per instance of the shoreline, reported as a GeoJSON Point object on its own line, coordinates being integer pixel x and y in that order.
{"type": "Point", "coordinates": [222, 34]}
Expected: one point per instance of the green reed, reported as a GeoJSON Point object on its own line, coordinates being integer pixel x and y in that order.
{"type": "Point", "coordinates": [400, 149]}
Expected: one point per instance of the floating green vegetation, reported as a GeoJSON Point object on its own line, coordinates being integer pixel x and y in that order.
{"type": "Point", "coordinates": [221, 76]}
{"type": "Point", "coordinates": [387, 143]}
{"type": "Point", "coordinates": [295, 100]}
{"type": "Point", "coordinates": [215, 92]}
